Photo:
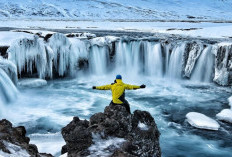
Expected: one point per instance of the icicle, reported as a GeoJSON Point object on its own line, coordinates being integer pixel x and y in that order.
{"type": "Point", "coordinates": [28, 54]}
{"type": "Point", "coordinates": [65, 59]}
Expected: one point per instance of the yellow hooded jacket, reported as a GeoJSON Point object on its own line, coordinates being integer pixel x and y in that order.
{"type": "Point", "coordinates": [118, 90]}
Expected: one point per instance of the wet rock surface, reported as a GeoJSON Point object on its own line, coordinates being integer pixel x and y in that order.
{"type": "Point", "coordinates": [139, 131]}
{"type": "Point", "coordinates": [16, 136]}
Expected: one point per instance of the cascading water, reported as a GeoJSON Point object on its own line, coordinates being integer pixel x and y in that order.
{"type": "Point", "coordinates": [98, 60]}
{"type": "Point", "coordinates": [175, 61]}
{"type": "Point", "coordinates": [204, 66]}
{"type": "Point", "coordinates": [127, 57]}
{"type": "Point", "coordinates": [104, 55]}
{"type": "Point", "coordinates": [8, 91]}
{"type": "Point", "coordinates": [153, 59]}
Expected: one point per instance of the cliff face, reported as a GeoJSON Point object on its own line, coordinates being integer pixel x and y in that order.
{"type": "Point", "coordinates": [128, 134]}
{"type": "Point", "coordinates": [14, 142]}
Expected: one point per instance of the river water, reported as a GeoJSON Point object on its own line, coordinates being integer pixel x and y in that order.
{"type": "Point", "coordinates": [45, 110]}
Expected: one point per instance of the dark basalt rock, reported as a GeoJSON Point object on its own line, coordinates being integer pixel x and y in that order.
{"type": "Point", "coordinates": [3, 50]}
{"type": "Point", "coordinates": [115, 121]}
{"type": "Point", "coordinates": [16, 136]}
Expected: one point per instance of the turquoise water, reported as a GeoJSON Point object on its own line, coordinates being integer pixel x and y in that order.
{"type": "Point", "coordinates": [45, 110]}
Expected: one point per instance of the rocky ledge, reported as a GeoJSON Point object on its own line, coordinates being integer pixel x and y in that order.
{"type": "Point", "coordinates": [113, 133]}
{"type": "Point", "coordinates": [13, 141]}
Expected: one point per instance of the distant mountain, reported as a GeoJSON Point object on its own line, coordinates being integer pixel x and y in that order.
{"type": "Point", "coordinates": [117, 9]}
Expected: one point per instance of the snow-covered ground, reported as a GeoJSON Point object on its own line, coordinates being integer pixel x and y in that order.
{"type": "Point", "coordinates": [201, 29]}
{"type": "Point", "coordinates": [206, 10]}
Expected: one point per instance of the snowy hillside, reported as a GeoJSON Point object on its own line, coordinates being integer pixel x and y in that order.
{"type": "Point", "coordinates": [203, 10]}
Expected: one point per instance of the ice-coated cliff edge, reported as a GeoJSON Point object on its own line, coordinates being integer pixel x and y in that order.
{"type": "Point", "coordinates": [170, 57]}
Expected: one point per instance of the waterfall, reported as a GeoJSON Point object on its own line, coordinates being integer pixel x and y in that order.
{"type": "Point", "coordinates": [153, 59]}
{"type": "Point", "coordinates": [204, 66]}
{"type": "Point", "coordinates": [98, 59]}
{"type": "Point", "coordinates": [175, 61]}
{"type": "Point", "coordinates": [127, 57]}
{"type": "Point", "coordinates": [8, 91]}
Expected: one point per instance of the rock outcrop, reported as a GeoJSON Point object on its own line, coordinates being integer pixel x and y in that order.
{"type": "Point", "coordinates": [14, 142]}
{"type": "Point", "coordinates": [136, 133]}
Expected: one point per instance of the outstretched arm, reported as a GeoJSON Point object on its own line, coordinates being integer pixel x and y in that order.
{"type": "Point", "coordinates": [130, 87]}
{"type": "Point", "coordinates": [105, 87]}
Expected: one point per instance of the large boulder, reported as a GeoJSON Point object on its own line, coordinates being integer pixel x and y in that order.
{"type": "Point", "coordinates": [14, 142]}
{"type": "Point", "coordinates": [115, 132]}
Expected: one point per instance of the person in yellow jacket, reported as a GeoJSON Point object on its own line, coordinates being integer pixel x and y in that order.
{"type": "Point", "coordinates": [118, 91]}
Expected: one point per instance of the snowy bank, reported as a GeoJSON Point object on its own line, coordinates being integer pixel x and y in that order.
{"type": "Point", "coordinates": [201, 121]}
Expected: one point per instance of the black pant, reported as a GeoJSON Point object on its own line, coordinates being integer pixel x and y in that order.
{"type": "Point", "coordinates": [125, 104]}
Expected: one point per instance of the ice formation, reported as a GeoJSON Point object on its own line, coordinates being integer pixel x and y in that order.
{"type": "Point", "coordinates": [8, 91]}
{"type": "Point", "coordinates": [29, 55]}
{"type": "Point", "coordinates": [230, 101]}
{"type": "Point", "coordinates": [195, 60]}
{"type": "Point", "coordinates": [201, 121]}
{"type": "Point", "coordinates": [193, 54]}
{"type": "Point", "coordinates": [10, 68]}
{"type": "Point", "coordinates": [223, 63]}
{"type": "Point", "coordinates": [65, 60]}
{"type": "Point", "coordinates": [101, 41]}
{"type": "Point", "coordinates": [225, 115]}
{"type": "Point", "coordinates": [32, 82]}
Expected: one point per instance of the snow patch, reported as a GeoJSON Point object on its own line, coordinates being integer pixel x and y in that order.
{"type": "Point", "coordinates": [32, 82]}
{"type": "Point", "coordinates": [35, 32]}
{"type": "Point", "coordinates": [143, 126]}
{"type": "Point", "coordinates": [7, 38]}
{"type": "Point", "coordinates": [225, 115]}
{"type": "Point", "coordinates": [64, 155]}
{"type": "Point", "coordinates": [101, 41]}
{"type": "Point", "coordinates": [201, 121]}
